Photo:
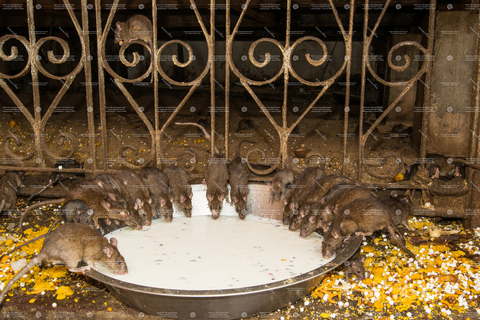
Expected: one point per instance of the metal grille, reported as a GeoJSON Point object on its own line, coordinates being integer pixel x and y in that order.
{"type": "Point", "coordinates": [35, 160]}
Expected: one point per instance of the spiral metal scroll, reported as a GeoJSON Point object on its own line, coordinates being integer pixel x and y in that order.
{"type": "Point", "coordinates": [19, 142]}
{"type": "Point", "coordinates": [259, 172]}
{"type": "Point", "coordinates": [193, 159]}
{"type": "Point", "coordinates": [14, 54]}
{"type": "Point", "coordinates": [390, 172]}
{"type": "Point", "coordinates": [61, 137]}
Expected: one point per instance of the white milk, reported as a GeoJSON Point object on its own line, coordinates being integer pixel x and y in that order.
{"type": "Point", "coordinates": [200, 253]}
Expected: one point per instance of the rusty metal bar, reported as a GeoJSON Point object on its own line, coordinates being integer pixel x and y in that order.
{"type": "Point", "coordinates": [153, 59]}
{"type": "Point", "coordinates": [89, 89]}
{"type": "Point", "coordinates": [348, 53]}
{"type": "Point", "coordinates": [227, 75]}
{"type": "Point", "coordinates": [35, 86]}
{"type": "Point", "coordinates": [211, 47]}
{"type": "Point", "coordinates": [428, 77]}
{"type": "Point", "coordinates": [474, 148]}
{"type": "Point", "coordinates": [101, 75]}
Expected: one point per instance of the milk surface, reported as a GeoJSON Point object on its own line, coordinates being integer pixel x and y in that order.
{"type": "Point", "coordinates": [200, 253]}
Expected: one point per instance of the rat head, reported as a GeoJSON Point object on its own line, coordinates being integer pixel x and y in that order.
{"type": "Point", "coordinates": [332, 242]}
{"type": "Point", "coordinates": [295, 223]}
{"type": "Point", "coordinates": [308, 226]}
{"type": "Point", "coordinates": [240, 206]}
{"type": "Point", "coordinates": [112, 259]}
{"type": "Point", "coordinates": [185, 203]}
{"type": "Point", "coordinates": [215, 203]}
{"type": "Point", "coordinates": [277, 190]}
{"type": "Point", "coordinates": [289, 215]}
{"type": "Point", "coordinates": [356, 267]}
{"type": "Point", "coordinates": [120, 31]}
{"type": "Point", "coordinates": [115, 209]}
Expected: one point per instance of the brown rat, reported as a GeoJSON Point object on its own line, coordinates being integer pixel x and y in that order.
{"type": "Point", "coordinates": [312, 195]}
{"type": "Point", "coordinates": [337, 198]}
{"type": "Point", "coordinates": [300, 190]}
{"type": "Point", "coordinates": [116, 186]}
{"type": "Point", "coordinates": [137, 27]}
{"type": "Point", "coordinates": [71, 243]}
{"type": "Point", "coordinates": [354, 266]}
{"type": "Point", "coordinates": [9, 185]}
{"type": "Point", "coordinates": [135, 193]}
{"type": "Point", "coordinates": [76, 211]}
{"type": "Point", "coordinates": [100, 203]}
{"type": "Point", "coordinates": [399, 208]}
{"type": "Point", "coordinates": [245, 124]}
{"type": "Point", "coordinates": [362, 217]}
{"type": "Point", "coordinates": [281, 184]}
{"type": "Point", "coordinates": [216, 176]}
{"type": "Point", "coordinates": [239, 174]}
{"type": "Point", "coordinates": [157, 183]}
{"type": "Point", "coordinates": [181, 190]}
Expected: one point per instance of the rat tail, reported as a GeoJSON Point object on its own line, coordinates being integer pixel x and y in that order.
{"type": "Point", "coordinates": [36, 205]}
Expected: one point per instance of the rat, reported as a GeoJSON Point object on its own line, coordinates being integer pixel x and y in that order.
{"type": "Point", "coordinates": [318, 190]}
{"type": "Point", "coordinates": [399, 208]}
{"type": "Point", "coordinates": [354, 266]}
{"type": "Point", "coordinates": [337, 198]}
{"type": "Point", "coordinates": [72, 243]}
{"type": "Point", "coordinates": [135, 192]}
{"type": "Point", "coordinates": [216, 176]}
{"type": "Point", "coordinates": [157, 183]}
{"type": "Point", "coordinates": [180, 188]}
{"type": "Point", "coordinates": [76, 211]}
{"type": "Point", "coordinates": [245, 124]}
{"type": "Point", "coordinates": [299, 190]}
{"type": "Point", "coordinates": [113, 185]}
{"type": "Point", "coordinates": [100, 204]}
{"type": "Point", "coordinates": [239, 174]}
{"type": "Point", "coordinates": [137, 27]}
{"type": "Point", "coordinates": [281, 184]}
{"type": "Point", "coordinates": [361, 217]}
{"type": "Point", "coordinates": [9, 185]}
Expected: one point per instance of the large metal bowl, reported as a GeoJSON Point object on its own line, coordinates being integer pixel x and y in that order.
{"type": "Point", "coordinates": [228, 303]}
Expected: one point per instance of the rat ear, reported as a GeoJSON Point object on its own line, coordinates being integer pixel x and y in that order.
{"type": "Point", "coordinates": [182, 198]}
{"type": "Point", "coordinates": [105, 204]}
{"type": "Point", "coordinates": [108, 251]}
{"type": "Point", "coordinates": [150, 201]}
{"type": "Point", "coordinates": [234, 199]}
{"type": "Point", "coordinates": [285, 201]}
{"type": "Point", "coordinates": [172, 199]}
{"type": "Point", "coordinates": [113, 242]}
{"type": "Point", "coordinates": [111, 196]}
{"type": "Point", "coordinates": [245, 198]}
{"type": "Point", "coordinates": [221, 197]}
{"type": "Point", "coordinates": [190, 195]}
{"type": "Point", "coordinates": [162, 202]}
{"type": "Point", "coordinates": [311, 219]}
{"type": "Point", "coordinates": [90, 212]}
{"type": "Point", "coordinates": [209, 197]}
{"type": "Point", "coordinates": [118, 25]}
{"type": "Point", "coordinates": [394, 194]}
{"type": "Point", "coordinates": [139, 202]}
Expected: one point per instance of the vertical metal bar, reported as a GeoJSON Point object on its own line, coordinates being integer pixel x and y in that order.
{"type": "Point", "coordinates": [101, 81]}
{"type": "Point", "coordinates": [212, 74]}
{"type": "Point", "coordinates": [88, 81]}
{"type": "Point", "coordinates": [366, 45]}
{"type": "Point", "coordinates": [35, 86]}
{"type": "Point", "coordinates": [153, 57]}
{"type": "Point", "coordinates": [428, 77]}
{"type": "Point", "coordinates": [474, 141]}
{"type": "Point", "coordinates": [227, 75]}
{"type": "Point", "coordinates": [348, 52]}
{"type": "Point", "coordinates": [283, 133]}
